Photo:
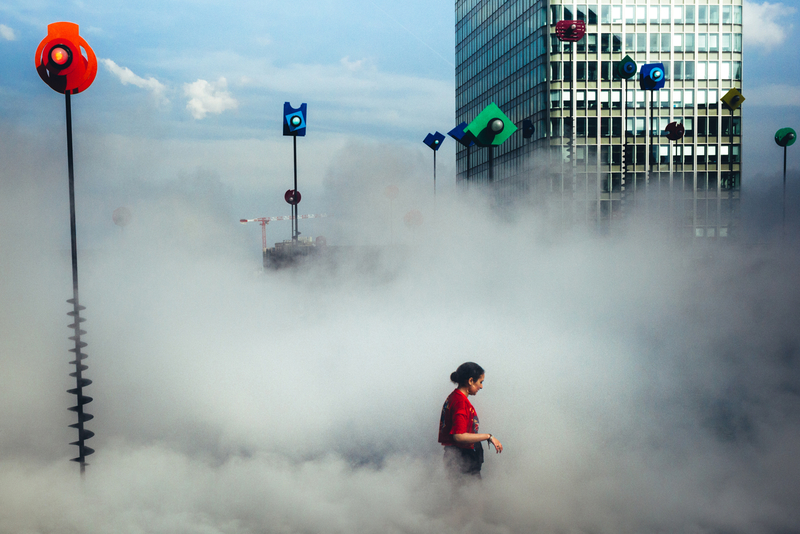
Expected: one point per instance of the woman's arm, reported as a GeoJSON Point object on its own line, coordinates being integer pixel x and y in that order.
{"type": "Point", "coordinates": [476, 438]}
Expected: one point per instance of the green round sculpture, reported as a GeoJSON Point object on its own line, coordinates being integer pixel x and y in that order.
{"type": "Point", "coordinates": [785, 137]}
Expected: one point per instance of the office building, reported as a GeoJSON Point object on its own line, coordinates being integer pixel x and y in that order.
{"type": "Point", "coordinates": [507, 52]}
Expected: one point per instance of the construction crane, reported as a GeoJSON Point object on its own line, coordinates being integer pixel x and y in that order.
{"type": "Point", "coordinates": [264, 221]}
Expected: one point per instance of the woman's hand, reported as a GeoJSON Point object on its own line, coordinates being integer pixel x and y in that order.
{"type": "Point", "coordinates": [497, 445]}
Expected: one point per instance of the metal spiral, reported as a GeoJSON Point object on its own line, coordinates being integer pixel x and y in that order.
{"type": "Point", "coordinates": [83, 434]}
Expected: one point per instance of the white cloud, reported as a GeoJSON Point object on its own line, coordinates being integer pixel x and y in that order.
{"type": "Point", "coordinates": [126, 76]}
{"type": "Point", "coordinates": [206, 97]}
{"type": "Point", "coordinates": [765, 24]}
{"type": "Point", "coordinates": [782, 95]}
{"type": "Point", "coordinates": [7, 33]}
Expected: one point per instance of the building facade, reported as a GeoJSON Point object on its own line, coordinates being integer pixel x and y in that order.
{"type": "Point", "coordinates": [599, 153]}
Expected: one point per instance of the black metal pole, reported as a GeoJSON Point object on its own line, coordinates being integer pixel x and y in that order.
{"type": "Point", "coordinates": [434, 177]}
{"type": "Point", "coordinates": [72, 225]}
{"type": "Point", "coordinates": [784, 190]}
{"type": "Point", "coordinates": [469, 149]}
{"type": "Point", "coordinates": [83, 434]}
{"type": "Point", "coordinates": [296, 228]}
{"type": "Point", "coordinates": [491, 163]}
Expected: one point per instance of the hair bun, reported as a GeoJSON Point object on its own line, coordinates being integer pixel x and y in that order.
{"type": "Point", "coordinates": [454, 377]}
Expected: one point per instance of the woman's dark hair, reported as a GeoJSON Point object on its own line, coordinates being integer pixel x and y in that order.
{"type": "Point", "coordinates": [466, 371]}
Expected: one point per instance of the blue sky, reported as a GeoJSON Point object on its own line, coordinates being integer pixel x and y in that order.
{"type": "Point", "coordinates": [188, 87]}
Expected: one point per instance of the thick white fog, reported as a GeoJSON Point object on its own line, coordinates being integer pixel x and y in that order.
{"type": "Point", "coordinates": [638, 383]}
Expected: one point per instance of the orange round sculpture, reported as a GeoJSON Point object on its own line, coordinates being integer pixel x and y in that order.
{"type": "Point", "coordinates": [60, 59]}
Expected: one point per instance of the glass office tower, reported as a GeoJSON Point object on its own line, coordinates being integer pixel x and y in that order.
{"type": "Point", "coordinates": [599, 152]}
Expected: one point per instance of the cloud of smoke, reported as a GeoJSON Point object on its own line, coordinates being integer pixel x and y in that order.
{"type": "Point", "coordinates": [638, 383]}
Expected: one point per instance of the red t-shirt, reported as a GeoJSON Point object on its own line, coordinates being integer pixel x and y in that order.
{"type": "Point", "coordinates": [458, 417]}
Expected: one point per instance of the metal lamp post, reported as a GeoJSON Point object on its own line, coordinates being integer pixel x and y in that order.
{"type": "Point", "coordinates": [62, 66]}
{"type": "Point", "coordinates": [294, 125]}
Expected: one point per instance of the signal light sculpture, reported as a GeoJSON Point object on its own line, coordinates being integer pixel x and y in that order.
{"type": "Point", "coordinates": [434, 141]}
{"type": "Point", "coordinates": [294, 125]}
{"type": "Point", "coordinates": [651, 78]}
{"type": "Point", "coordinates": [528, 129]}
{"type": "Point", "coordinates": [570, 31]}
{"type": "Point", "coordinates": [61, 64]}
{"type": "Point", "coordinates": [491, 128]}
{"type": "Point", "coordinates": [732, 100]}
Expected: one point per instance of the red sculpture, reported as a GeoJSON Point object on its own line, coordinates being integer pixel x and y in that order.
{"type": "Point", "coordinates": [60, 59]}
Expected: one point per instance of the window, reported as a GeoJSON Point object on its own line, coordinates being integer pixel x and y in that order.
{"type": "Point", "coordinates": [725, 70]}
{"type": "Point", "coordinates": [555, 99]}
{"type": "Point", "coordinates": [605, 43]}
{"type": "Point", "coordinates": [605, 126]}
{"type": "Point", "coordinates": [616, 43]}
{"type": "Point", "coordinates": [687, 154]}
{"type": "Point", "coordinates": [701, 160]}
{"type": "Point", "coordinates": [605, 14]}
{"type": "Point", "coordinates": [582, 12]}
{"type": "Point", "coordinates": [713, 73]}
{"type": "Point", "coordinates": [677, 98]}
{"type": "Point", "coordinates": [701, 99]}
{"type": "Point", "coordinates": [688, 125]}
{"type": "Point", "coordinates": [726, 41]}
{"type": "Point", "coordinates": [640, 99]}
{"type": "Point", "coordinates": [555, 14]}
{"type": "Point", "coordinates": [592, 71]}
{"type": "Point", "coordinates": [737, 14]}
{"type": "Point", "coordinates": [702, 42]}
{"type": "Point", "coordinates": [736, 67]}
{"type": "Point", "coordinates": [712, 156]}
{"type": "Point", "coordinates": [726, 126]}
{"type": "Point", "coordinates": [568, 13]}
{"type": "Point", "coordinates": [580, 127]}
{"type": "Point", "coordinates": [726, 15]}
{"type": "Point", "coordinates": [677, 42]}
{"type": "Point", "coordinates": [653, 14]}
{"type": "Point", "coordinates": [688, 42]}
{"type": "Point", "coordinates": [629, 99]}
{"type": "Point", "coordinates": [591, 131]}
{"type": "Point", "coordinates": [689, 15]}
{"type": "Point", "coordinates": [688, 98]}
{"type": "Point", "coordinates": [677, 14]}
{"type": "Point", "coordinates": [606, 71]}
{"type": "Point", "coordinates": [591, 43]}
{"type": "Point", "coordinates": [555, 127]}
{"type": "Point", "coordinates": [616, 14]}
{"type": "Point", "coordinates": [581, 71]}
{"type": "Point", "coordinates": [702, 14]}
{"type": "Point", "coordinates": [604, 100]}
{"type": "Point", "coordinates": [688, 70]}
{"type": "Point", "coordinates": [677, 72]}
{"type": "Point", "coordinates": [592, 14]}
{"type": "Point", "coordinates": [616, 99]}
{"type": "Point", "coordinates": [630, 16]}
{"type": "Point", "coordinates": [641, 15]}
{"type": "Point", "coordinates": [555, 70]}
{"type": "Point", "coordinates": [591, 101]}
{"type": "Point", "coordinates": [713, 42]}
{"type": "Point", "coordinates": [641, 42]}
{"type": "Point", "coordinates": [665, 17]}
{"type": "Point", "coordinates": [580, 99]}
{"type": "Point", "coordinates": [630, 42]}
{"type": "Point", "coordinates": [713, 14]}
{"type": "Point", "coordinates": [702, 70]}
{"type": "Point", "coordinates": [666, 41]}
{"type": "Point", "coordinates": [737, 42]}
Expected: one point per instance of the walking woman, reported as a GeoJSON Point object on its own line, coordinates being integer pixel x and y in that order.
{"type": "Point", "coordinates": [458, 425]}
